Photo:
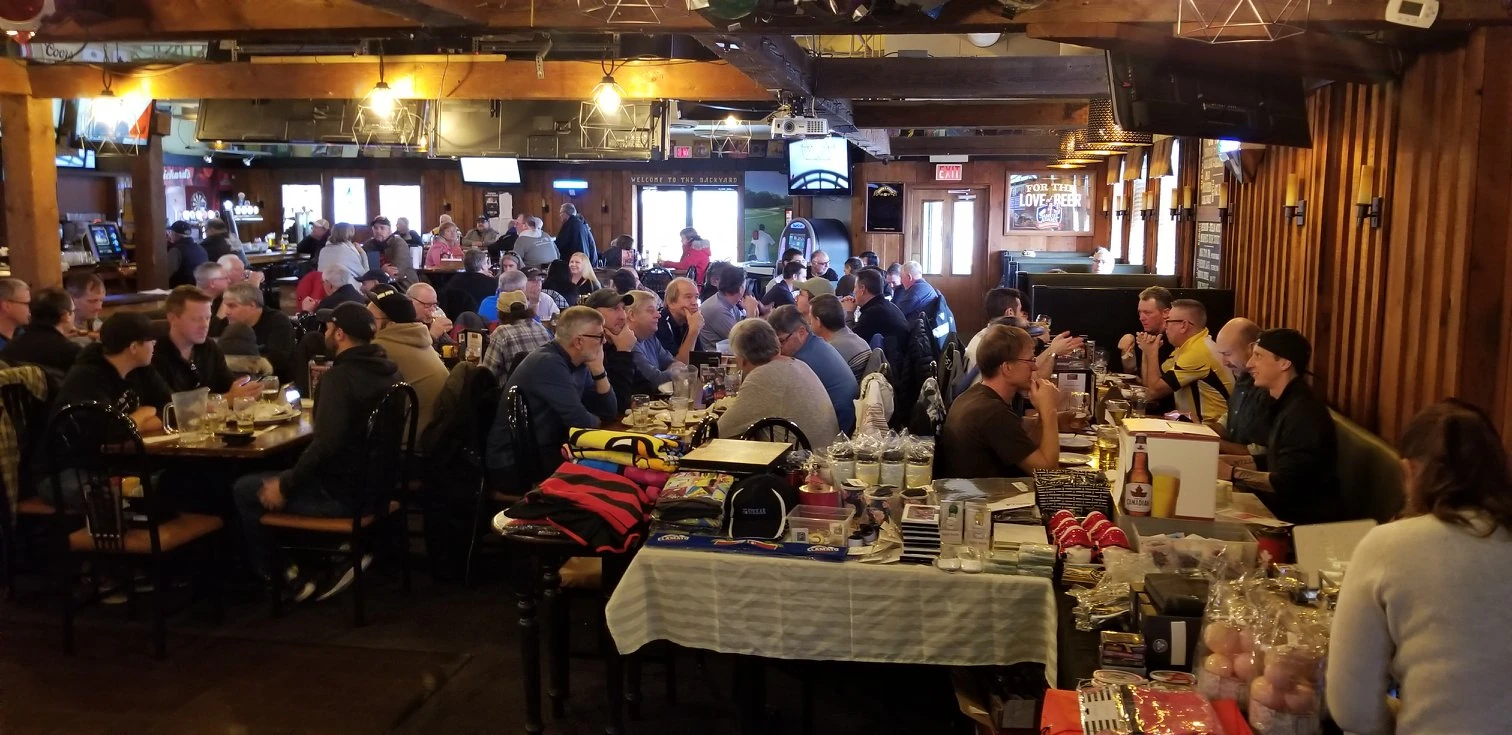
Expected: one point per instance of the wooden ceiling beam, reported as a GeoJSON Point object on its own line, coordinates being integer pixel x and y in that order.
{"type": "Point", "coordinates": [14, 78]}
{"type": "Point", "coordinates": [779, 65]}
{"type": "Point", "coordinates": [457, 78]}
{"type": "Point", "coordinates": [1336, 15]}
{"type": "Point", "coordinates": [971, 115]}
{"type": "Point", "coordinates": [981, 78]}
{"type": "Point", "coordinates": [1027, 146]}
{"type": "Point", "coordinates": [1315, 55]}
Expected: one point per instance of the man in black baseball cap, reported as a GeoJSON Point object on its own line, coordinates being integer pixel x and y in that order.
{"type": "Point", "coordinates": [409, 346]}
{"type": "Point", "coordinates": [184, 254]}
{"type": "Point", "coordinates": [1297, 478]}
{"type": "Point", "coordinates": [101, 376]}
{"type": "Point", "coordinates": [619, 341]}
{"type": "Point", "coordinates": [326, 480]}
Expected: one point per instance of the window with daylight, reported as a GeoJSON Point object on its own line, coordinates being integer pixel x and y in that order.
{"type": "Point", "coordinates": [349, 201]}
{"type": "Point", "coordinates": [400, 200]}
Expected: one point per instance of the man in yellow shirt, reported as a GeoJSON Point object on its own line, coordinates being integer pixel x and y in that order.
{"type": "Point", "coordinates": [1194, 373]}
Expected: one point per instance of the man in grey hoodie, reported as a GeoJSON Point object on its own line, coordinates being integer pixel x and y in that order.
{"type": "Point", "coordinates": [534, 246]}
{"type": "Point", "coordinates": [408, 344]}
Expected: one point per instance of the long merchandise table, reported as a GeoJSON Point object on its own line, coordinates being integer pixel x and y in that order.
{"type": "Point", "coordinates": [800, 609]}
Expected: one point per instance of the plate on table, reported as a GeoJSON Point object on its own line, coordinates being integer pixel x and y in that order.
{"type": "Point", "coordinates": [1123, 376]}
{"type": "Point", "coordinates": [1067, 459]}
{"type": "Point", "coordinates": [1074, 441]}
{"type": "Point", "coordinates": [268, 414]}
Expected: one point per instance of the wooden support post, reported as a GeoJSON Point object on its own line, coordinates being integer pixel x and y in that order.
{"type": "Point", "coordinates": [149, 210]}
{"type": "Point", "coordinates": [29, 149]}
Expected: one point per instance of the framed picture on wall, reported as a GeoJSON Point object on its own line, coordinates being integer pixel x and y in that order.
{"type": "Point", "coordinates": [884, 207]}
{"type": "Point", "coordinates": [1049, 203]}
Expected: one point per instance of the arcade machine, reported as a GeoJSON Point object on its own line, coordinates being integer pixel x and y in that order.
{"type": "Point", "coordinates": [808, 235]}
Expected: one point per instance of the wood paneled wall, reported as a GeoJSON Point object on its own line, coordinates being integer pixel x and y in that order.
{"type": "Point", "coordinates": [991, 174]}
{"type": "Point", "coordinates": [1416, 311]}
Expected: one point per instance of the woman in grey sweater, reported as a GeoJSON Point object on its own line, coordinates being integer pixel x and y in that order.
{"type": "Point", "coordinates": [341, 249]}
{"type": "Point", "coordinates": [1426, 601]}
{"type": "Point", "coordinates": [776, 386]}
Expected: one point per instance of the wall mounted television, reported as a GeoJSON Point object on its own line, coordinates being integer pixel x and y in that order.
{"type": "Point", "coordinates": [819, 167]}
{"type": "Point", "coordinates": [490, 170]}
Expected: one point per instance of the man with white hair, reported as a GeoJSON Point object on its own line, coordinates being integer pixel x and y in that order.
{"type": "Point", "coordinates": [776, 386]}
{"type": "Point", "coordinates": [1102, 261]}
{"type": "Point", "coordinates": [914, 293]}
{"type": "Point", "coordinates": [680, 322]}
{"type": "Point", "coordinates": [340, 287]}
{"type": "Point", "coordinates": [237, 272]}
{"type": "Point", "coordinates": [211, 278]}
{"type": "Point", "coordinates": [535, 247]}
{"type": "Point", "coordinates": [565, 386]}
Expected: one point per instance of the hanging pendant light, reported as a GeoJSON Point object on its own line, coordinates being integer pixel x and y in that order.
{"type": "Point", "coordinates": [381, 101]}
{"type": "Point", "coordinates": [1104, 133]}
{"type": "Point", "coordinates": [1069, 152]}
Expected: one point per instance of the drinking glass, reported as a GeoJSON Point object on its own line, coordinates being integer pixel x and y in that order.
{"type": "Point", "coordinates": [640, 406]}
{"type": "Point", "coordinates": [216, 412]}
{"type": "Point", "coordinates": [269, 391]}
{"type": "Point", "coordinates": [1043, 319]}
{"type": "Point", "coordinates": [1117, 410]}
{"type": "Point", "coordinates": [679, 412]}
{"type": "Point", "coordinates": [1138, 403]}
{"type": "Point", "coordinates": [241, 407]}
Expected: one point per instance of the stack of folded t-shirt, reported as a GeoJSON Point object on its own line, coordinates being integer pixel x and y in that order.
{"type": "Point", "coordinates": [693, 502]}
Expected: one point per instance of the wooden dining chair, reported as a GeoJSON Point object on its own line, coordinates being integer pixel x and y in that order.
{"type": "Point", "coordinates": [390, 428]}
{"type": "Point", "coordinates": [527, 472]}
{"type": "Point", "coordinates": [97, 449]}
{"type": "Point", "coordinates": [777, 429]}
{"type": "Point", "coordinates": [26, 527]}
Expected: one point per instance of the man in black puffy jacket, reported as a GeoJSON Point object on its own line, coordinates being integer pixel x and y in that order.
{"type": "Point", "coordinates": [575, 235]}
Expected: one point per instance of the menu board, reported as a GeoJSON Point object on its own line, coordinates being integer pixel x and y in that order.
{"type": "Point", "coordinates": [1209, 263]}
{"type": "Point", "coordinates": [1209, 180]}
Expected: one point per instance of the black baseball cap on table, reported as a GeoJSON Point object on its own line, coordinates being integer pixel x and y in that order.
{"type": "Point", "coordinates": [375, 275]}
{"type": "Point", "coordinates": [352, 318]}
{"type": "Point", "coordinates": [396, 307]}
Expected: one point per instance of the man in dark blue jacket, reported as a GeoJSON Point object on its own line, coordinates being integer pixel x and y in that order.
{"type": "Point", "coordinates": [564, 385]}
{"type": "Point", "coordinates": [575, 235]}
{"type": "Point", "coordinates": [915, 294]}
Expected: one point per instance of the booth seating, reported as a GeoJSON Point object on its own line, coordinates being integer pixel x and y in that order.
{"type": "Point", "coordinates": [1370, 472]}
{"type": "Point", "coordinates": [1028, 280]}
{"type": "Point", "coordinates": [1107, 314]}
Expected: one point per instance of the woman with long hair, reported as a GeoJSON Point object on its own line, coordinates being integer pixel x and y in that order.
{"type": "Point", "coordinates": [1426, 602]}
{"type": "Point", "coordinates": [584, 280]}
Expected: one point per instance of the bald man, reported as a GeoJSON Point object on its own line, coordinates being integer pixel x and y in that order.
{"type": "Point", "coordinates": [423, 296]}
{"type": "Point", "coordinates": [1246, 426]}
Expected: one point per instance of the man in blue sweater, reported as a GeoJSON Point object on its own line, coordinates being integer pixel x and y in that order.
{"type": "Point", "coordinates": [914, 293]}
{"type": "Point", "coordinates": [796, 339]}
{"type": "Point", "coordinates": [565, 386]}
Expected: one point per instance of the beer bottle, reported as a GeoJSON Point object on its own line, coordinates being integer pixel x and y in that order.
{"type": "Point", "coordinates": [1138, 486]}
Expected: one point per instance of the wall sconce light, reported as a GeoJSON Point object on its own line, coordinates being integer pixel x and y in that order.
{"type": "Point", "coordinates": [1119, 210]}
{"type": "Point", "coordinates": [1368, 206]}
{"type": "Point", "coordinates": [1147, 206]}
{"type": "Point", "coordinates": [1223, 204]}
{"type": "Point", "coordinates": [1184, 212]}
{"type": "Point", "coordinates": [1295, 208]}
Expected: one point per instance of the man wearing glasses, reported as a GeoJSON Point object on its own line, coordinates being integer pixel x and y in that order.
{"type": "Point", "coordinates": [819, 267]}
{"type": "Point", "coordinates": [983, 436]}
{"type": "Point", "coordinates": [428, 311]}
{"type": "Point", "coordinates": [1194, 374]}
{"type": "Point", "coordinates": [564, 384]}
{"type": "Point", "coordinates": [15, 308]}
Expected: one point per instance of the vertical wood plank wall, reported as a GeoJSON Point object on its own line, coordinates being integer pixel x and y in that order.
{"type": "Point", "coordinates": [1418, 310]}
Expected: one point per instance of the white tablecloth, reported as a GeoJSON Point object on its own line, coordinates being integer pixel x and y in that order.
{"type": "Point", "coordinates": [800, 609]}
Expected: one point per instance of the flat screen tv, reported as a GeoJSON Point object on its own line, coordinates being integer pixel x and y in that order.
{"type": "Point", "coordinates": [1170, 98]}
{"type": "Point", "coordinates": [130, 128]}
{"type": "Point", "coordinates": [819, 167]}
{"type": "Point", "coordinates": [491, 170]}
{"type": "Point", "coordinates": [82, 158]}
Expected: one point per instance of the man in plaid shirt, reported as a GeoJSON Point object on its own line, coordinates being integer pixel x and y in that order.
{"type": "Point", "coordinates": [519, 332]}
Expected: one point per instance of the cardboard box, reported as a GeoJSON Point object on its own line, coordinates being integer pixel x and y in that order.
{"type": "Point", "coordinates": [1170, 640]}
{"type": "Point", "coordinates": [1188, 451]}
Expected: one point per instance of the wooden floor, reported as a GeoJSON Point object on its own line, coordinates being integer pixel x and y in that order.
{"type": "Point", "coordinates": [444, 660]}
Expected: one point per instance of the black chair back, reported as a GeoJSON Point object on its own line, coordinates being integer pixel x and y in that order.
{"type": "Point", "coordinates": [95, 448]}
{"type": "Point", "coordinates": [656, 280]}
{"type": "Point", "coordinates": [777, 429]}
{"type": "Point", "coordinates": [522, 437]}
{"type": "Point", "coordinates": [391, 430]}
{"type": "Point", "coordinates": [707, 431]}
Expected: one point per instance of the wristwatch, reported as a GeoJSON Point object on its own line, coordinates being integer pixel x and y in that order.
{"type": "Point", "coordinates": [600, 376]}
